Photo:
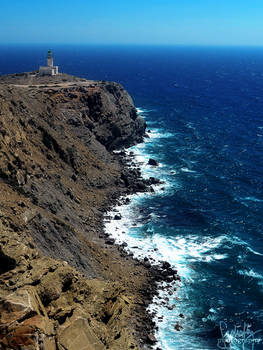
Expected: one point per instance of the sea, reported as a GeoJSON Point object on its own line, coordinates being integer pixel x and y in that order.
{"type": "Point", "coordinates": [204, 112]}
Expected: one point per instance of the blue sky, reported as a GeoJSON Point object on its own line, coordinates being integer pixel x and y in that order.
{"type": "Point", "coordinates": [197, 22]}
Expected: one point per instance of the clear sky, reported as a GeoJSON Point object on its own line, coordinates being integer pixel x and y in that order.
{"type": "Point", "coordinates": [205, 22]}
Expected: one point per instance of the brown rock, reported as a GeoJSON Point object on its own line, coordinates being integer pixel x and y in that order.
{"type": "Point", "coordinates": [58, 177]}
{"type": "Point", "coordinates": [77, 334]}
{"type": "Point", "coordinates": [151, 339]}
{"type": "Point", "coordinates": [24, 322]}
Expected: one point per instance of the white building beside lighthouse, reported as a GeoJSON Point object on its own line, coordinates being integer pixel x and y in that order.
{"type": "Point", "coordinates": [49, 69]}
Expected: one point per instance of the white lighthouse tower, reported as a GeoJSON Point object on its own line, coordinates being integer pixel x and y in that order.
{"type": "Point", "coordinates": [49, 69]}
{"type": "Point", "coordinates": [50, 59]}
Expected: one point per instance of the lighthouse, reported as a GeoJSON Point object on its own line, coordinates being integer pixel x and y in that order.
{"type": "Point", "coordinates": [50, 59]}
{"type": "Point", "coordinates": [49, 69]}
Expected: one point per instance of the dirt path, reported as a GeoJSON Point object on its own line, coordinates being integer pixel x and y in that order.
{"type": "Point", "coordinates": [57, 85]}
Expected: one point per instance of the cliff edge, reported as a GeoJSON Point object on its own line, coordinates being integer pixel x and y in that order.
{"type": "Point", "coordinates": [62, 286]}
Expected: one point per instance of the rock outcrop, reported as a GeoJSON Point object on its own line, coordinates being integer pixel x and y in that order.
{"type": "Point", "coordinates": [61, 286]}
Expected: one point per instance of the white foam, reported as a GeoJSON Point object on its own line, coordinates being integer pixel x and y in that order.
{"type": "Point", "coordinates": [140, 110]}
{"type": "Point", "coordinates": [158, 134]}
{"type": "Point", "coordinates": [141, 154]}
{"type": "Point", "coordinates": [180, 250]}
{"type": "Point", "coordinates": [251, 273]}
{"type": "Point", "coordinates": [190, 125]}
{"type": "Point", "coordinates": [186, 170]}
{"type": "Point", "coordinates": [253, 251]}
{"type": "Point", "coordinates": [253, 199]}
{"type": "Point", "coordinates": [239, 241]}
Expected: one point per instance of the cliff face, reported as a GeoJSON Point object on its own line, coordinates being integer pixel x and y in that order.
{"type": "Point", "coordinates": [61, 286]}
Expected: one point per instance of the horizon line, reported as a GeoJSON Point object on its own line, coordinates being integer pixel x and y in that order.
{"type": "Point", "coordinates": [133, 44]}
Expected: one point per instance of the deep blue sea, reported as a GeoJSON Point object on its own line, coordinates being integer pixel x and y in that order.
{"type": "Point", "coordinates": [204, 109]}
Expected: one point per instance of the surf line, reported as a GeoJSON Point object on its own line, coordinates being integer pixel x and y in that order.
{"type": "Point", "coordinates": [119, 223]}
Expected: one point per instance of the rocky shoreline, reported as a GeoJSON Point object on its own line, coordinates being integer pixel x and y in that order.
{"type": "Point", "coordinates": [63, 283]}
{"type": "Point", "coordinates": [163, 276]}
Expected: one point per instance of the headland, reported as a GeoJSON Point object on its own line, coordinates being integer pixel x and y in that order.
{"type": "Point", "coordinates": [63, 283]}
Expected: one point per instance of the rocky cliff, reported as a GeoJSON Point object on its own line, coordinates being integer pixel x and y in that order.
{"type": "Point", "coordinates": [62, 286]}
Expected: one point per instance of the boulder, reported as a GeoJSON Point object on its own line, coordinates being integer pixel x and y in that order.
{"type": "Point", "coordinates": [24, 323]}
{"type": "Point", "coordinates": [178, 327]}
{"type": "Point", "coordinates": [153, 162]}
{"type": "Point", "coordinates": [110, 241]}
{"type": "Point", "coordinates": [151, 339]}
{"type": "Point", "coordinates": [117, 217]}
{"type": "Point", "coordinates": [77, 333]}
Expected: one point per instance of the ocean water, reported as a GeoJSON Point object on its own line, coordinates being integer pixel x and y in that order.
{"type": "Point", "coordinates": [204, 110]}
